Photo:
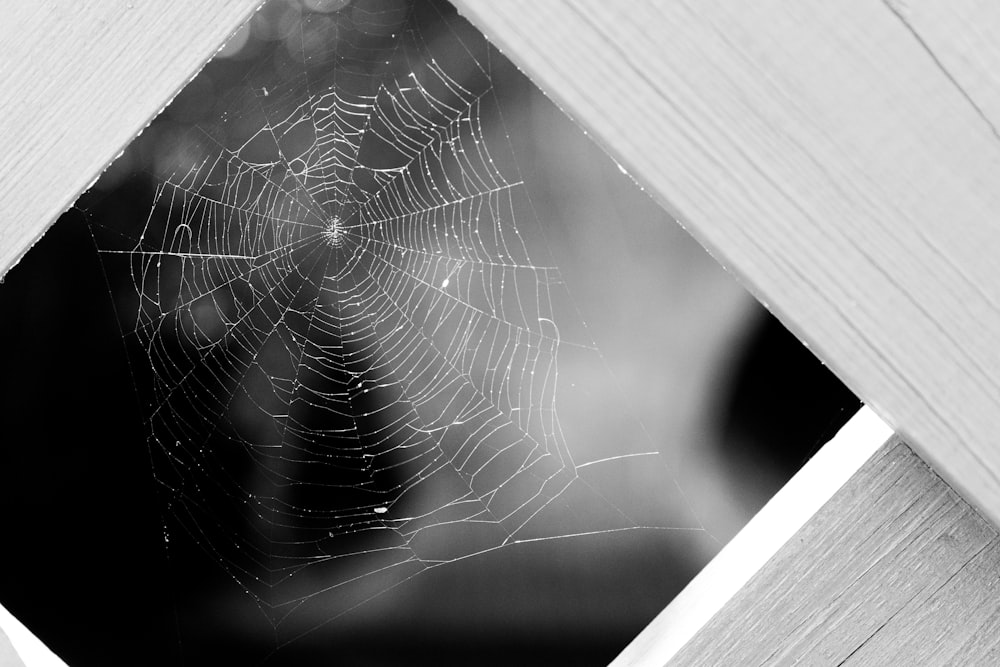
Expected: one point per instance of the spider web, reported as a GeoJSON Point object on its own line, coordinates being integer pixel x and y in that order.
{"type": "Point", "coordinates": [347, 358]}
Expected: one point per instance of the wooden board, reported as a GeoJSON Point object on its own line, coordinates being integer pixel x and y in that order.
{"type": "Point", "coordinates": [8, 655]}
{"type": "Point", "coordinates": [80, 80]}
{"type": "Point", "coordinates": [19, 647]}
{"type": "Point", "coordinates": [824, 153]}
{"type": "Point", "coordinates": [895, 570]}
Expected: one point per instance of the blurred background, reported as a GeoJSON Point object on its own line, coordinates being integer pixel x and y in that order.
{"type": "Point", "coordinates": [689, 365]}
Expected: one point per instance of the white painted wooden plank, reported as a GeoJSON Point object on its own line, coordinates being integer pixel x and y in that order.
{"type": "Point", "coordinates": [79, 81]}
{"type": "Point", "coordinates": [8, 655]}
{"type": "Point", "coordinates": [796, 503]}
{"type": "Point", "coordinates": [897, 569]}
{"type": "Point", "coordinates": [819, 150]}
{"type": "Point", "coordinates": [870, 580]}
{"type": "Point", "coordinates": [19, 646]}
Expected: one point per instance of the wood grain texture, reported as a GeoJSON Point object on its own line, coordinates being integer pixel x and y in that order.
{"type": "Point", "coordinates": [896, 569]}
{"type": "Point", "coordinates": [960, 37]}
{"type": "Point", "coordinates": [79, 81]}
{"type": "Point", "coordinates": [820, 150]}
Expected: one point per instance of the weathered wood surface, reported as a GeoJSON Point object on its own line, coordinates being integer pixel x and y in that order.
{"type": "Point", "coordinates": [896, 569]}
{"type": "Point", "coordinates": [841, 157]}
{"type": "Point", "coordinates": [79, 81]}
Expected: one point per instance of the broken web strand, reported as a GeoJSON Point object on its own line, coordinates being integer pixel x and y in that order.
{"type": "Point", "coordinates": [351, 277]}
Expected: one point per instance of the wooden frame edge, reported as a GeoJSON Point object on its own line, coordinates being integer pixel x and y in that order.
{"type": "Point", "coordinates": [767, 532]}
{"type": "Point", "coordinates": [19, 643]}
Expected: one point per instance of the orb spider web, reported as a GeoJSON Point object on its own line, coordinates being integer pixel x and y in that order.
{"type": "Point", "coordinates": [346, 355]}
